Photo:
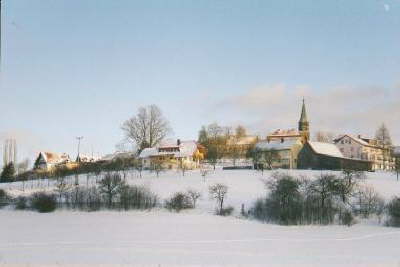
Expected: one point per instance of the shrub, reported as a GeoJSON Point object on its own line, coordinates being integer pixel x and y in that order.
{"type": "Point", "coordinates": [43, 202]}
{"type": "Point", "coordinates": [284, 203]}
{"type": "Point", "coordinates": [394, 212]}
{"type": "Point", "coordinates": [347, 218]}
{"type": "Point", "coordinates": [178, 202]}
{"type": "Point", "coordinates": [226, 211]}
{"type": "Point", "coordinates": [21, 203]}
{"type": "Point", "coordinates": [137, 197]}
{"type": "Point", "coordinates": [4, 198]}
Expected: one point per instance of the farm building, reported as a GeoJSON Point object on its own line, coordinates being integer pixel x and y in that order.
{"type": "Point", "coordinates": [325, 156]}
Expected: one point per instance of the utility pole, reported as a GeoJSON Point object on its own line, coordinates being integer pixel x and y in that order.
{"type": "Point", "coordinates": [79, 138]}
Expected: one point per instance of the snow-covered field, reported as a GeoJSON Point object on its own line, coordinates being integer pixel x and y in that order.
{"type": "Point", "coordinates": [195, 237]}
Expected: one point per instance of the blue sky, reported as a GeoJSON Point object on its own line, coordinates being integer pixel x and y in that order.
{"type": "Point", "coordinates": [82, 67]}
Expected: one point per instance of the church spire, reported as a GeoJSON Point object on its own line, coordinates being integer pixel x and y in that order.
{"type": "Point", "coordinates": [303, 117]}
{"type": "Point", "coordinates": [304, 125]}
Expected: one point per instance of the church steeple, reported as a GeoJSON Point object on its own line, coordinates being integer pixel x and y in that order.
{"type": "Point", "coordinates": [304, 125]}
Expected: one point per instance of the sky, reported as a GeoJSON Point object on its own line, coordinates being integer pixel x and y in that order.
{"type": "Point", "coordinates": [83, 67]}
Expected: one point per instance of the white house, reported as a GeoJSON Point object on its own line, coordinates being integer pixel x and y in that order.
{"type": "Point", "coordinates": [172, 154]}
{"type": "Point", "coordinates": [49, 160]}
{"type": "Point", "coordinates": [365, 149]}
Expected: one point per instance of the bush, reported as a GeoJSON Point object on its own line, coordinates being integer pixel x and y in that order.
{"type": "Point", "coordinates": [347, 218]}
{"type": "Point", "coordinates": [136, 197]}
{"type": "Point", "coordinates": [284, 203]}
{"type": "Point", "coordinates": [226, 211]}
{"type": "Point", "coordinates": [178, 202]}
{"type": "Point", "coordinates": [43, 202]}
{"type": "Point", "coordinates": [21, 203]}
{"type": "Point", "coordinates": [4, 198]}
{"type": "Point", "coordinates": [394, 212]}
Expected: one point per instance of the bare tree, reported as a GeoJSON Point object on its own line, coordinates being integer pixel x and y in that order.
{"type": "Point", "coordinates": [110, 186]}
{"type": "Point", "coordinates": [383, 135]}
{"type": "Point", "coordinates": [203, 172]}
{"type": "Point", "coordinates": [270, 156]}
{"type": "Point", "coordinates": [147, 129]}
{"type": "Point", "coordinates": [219, 192]}
{"type": "Point", "coordinates": [324, 137]}
{"type": "Point", "coordinates": [240, 131]}
{"type": "Point", "coordinates": [194, 196]}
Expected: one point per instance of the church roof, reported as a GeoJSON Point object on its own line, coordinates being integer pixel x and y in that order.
{"type": "Point", "coordinates": [303, 117]}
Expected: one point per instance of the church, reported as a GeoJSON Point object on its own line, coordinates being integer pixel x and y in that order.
{"type": "Point", "coordinates": [293, 149]}
{"type": "Point", "coordinates": [286, 144]}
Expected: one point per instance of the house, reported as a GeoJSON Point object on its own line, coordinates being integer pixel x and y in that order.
{"type": "Point", "coordinates": [172, 155]}
{"type": "Point", "coordinates": [366, 149]}
{"type": "Point", "coordinates": [325, 156]}
{"type": "Point", "coordinates": [49, 160]}
{"type": "Point", "coordinates": [286, 150]}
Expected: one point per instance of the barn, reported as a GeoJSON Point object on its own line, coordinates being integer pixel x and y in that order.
{"type": "Point", "coordinates": [325, 156]}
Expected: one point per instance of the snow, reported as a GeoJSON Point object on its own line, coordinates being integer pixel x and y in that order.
{"type": "Point", "coordinates": [326, 149]}
{"type": "Point", "coordinates": [158, 237]}
{"type": "Point", "coordinates": [194, 237]}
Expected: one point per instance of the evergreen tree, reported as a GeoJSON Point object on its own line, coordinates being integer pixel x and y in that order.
{"type": "Point", "coordinates": [203, 136]}
{"type": "Point", "coordinates": [7, 175]}
{"type": "Point", "coordinates": [37, 162]}
{"type": "Point", "coordinates": [383, 135]}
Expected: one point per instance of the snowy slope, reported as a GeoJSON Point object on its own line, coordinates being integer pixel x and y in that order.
{"type": "Point", "coordinates": [194, 237]}
{"type": "Point", "coordinates": [189, 239]}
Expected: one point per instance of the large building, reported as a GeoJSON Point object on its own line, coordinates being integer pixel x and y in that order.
{"type": "Point", "coordinates": [287, 144]}
{"type": "Point", "coordinates": [366, 149]}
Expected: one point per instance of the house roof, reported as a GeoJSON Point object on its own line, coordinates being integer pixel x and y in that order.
{"type": "Point", "coordinates": [277, 145]}
{"type": "Point", "coordinates": [54, 158]}
{"type": "Point", "coordinates": [288, 132]}
{"type": "Point", "coordinates": [186, 149]}
{"type": "Point", "coordinates": [361, 141]}
{"type": "Point", "coordinates": [245, 140]}
{"type": "Point", "coordinates": [326, 149]}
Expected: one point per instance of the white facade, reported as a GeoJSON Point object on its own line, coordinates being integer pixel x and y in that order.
{"type": "Point", "coordinates": [171, 155]}
{"type": "Point", "coordinates": [365, 149]}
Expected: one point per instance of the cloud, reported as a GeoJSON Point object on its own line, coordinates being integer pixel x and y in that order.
{"type": "Point", "coordinates": [386, 7]}
{"type": "Point", "coordinates": [340, 109]}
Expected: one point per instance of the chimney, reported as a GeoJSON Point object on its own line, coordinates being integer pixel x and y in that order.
{"type": "Point", "coordinates": [178, 142]}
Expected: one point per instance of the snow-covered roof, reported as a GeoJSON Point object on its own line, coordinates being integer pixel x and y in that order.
{"type": "Point", "coordinates": [288, 132]}
{"type": "Point", "coordinates": [359, 140]}
{"type": "Point", "coordinates": [118, 155]}
{"type": "Point", "coordinates": [326, 149]}
{"type": "Point", "coordinates": [184, 149]}
{"type": "Point", "coordinates": [245, 140]}
{"type": "Point", "coordinates": [277, 145]}
{"type": "Point", "coordinates": [54, 158]}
